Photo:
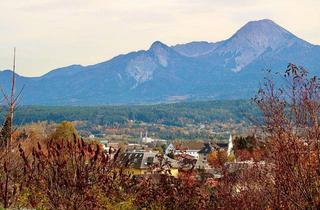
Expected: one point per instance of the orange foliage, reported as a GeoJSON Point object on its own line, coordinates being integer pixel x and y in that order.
{"type": "Point", "coordinates": [188, 178]}
{"type": "Point", "coordinates": [217, 158]}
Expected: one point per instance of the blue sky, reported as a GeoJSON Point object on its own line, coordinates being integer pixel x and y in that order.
{"type": "Point", "coordinates": [54, 33]}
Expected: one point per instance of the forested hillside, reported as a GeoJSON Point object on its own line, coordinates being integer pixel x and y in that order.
{"type": "Point", "coordinates": [178, 114]}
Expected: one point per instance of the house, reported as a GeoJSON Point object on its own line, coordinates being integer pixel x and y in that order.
{"type": "Point", "coordinates": [136, 147]}
{"type": "Point", "coordinates": [187, 147]}
{"type": "Point", "coordinates": [141, 162]}
{"type": "Point", "coordinates": [220, 145]}
{"type": "Point", "coordinates": [109, 147]}
{"type": "Point", "coordinates": [185, 162]}
{"type": "Point", "coordinates": [105, 144]}
{"type": "Point", "coordinates": [170, 149]}
{"type": "Point", "coordinates": [227, 146]}
{"type": "Point", "coordinates": [202, 162]}
{"type": "Point", "coordinates": [247, 164]}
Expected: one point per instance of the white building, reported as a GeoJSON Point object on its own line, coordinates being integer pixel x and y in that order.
{"type": "Point", "coordinates": [146, 139]}
{"type": "Point", "coordinates": [189, 148]}
{"type": "Point", "coordinates": [105, 144]}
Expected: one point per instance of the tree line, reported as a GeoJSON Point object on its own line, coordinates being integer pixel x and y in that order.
{"type": "Point", "coordinates": [178, 114]}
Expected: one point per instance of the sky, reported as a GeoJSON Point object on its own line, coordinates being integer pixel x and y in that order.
{"type": "Point", "coordinates": [49, 34]}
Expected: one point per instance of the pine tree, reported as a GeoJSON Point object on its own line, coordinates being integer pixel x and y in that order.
{"type": "Point", "coordinates": [5, 134]}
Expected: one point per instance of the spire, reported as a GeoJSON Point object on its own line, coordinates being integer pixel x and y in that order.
{"type": "Point", "coordinates": [230, 146]}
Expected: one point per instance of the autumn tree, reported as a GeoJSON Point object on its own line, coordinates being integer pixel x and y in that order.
{"type": "Point", "coordinates": [72, 174]}
{"type": "Point", "coordinates": [217, 158]}
{"type": "Point", "coordinates": [167, 192]}
{"type": "Point", "coordinates": [288, 177]}
{"type": "Point", "coordinates": [245, 143]}
{"type": "Point", "coordinates": [11, 176]}
{"type": "Point", "coordinates": [65, 130]}
{"type": "Point", "coordinates": [292, 133]}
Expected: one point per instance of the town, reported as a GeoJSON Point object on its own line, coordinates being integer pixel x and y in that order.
{"type": "Point", "coordinates": [205, 157]}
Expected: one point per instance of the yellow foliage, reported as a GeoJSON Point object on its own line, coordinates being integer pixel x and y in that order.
{"type": "Point", "coordinates": [217, 158]}
{"type": "Point", "coordinates": [65, 130]}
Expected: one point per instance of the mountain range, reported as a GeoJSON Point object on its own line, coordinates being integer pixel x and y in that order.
{"type": "Point", "coordinates": [228, 69]}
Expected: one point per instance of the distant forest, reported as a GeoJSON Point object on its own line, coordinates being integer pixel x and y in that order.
{"type": "Point", "coordinates": [175, 114]}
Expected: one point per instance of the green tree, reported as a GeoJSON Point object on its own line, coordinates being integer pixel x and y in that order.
{"type": "Point", "coordinates": [65, 130]}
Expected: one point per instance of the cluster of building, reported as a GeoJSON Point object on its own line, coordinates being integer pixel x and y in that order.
{"type": "Point", "coordinates": [141, 158]}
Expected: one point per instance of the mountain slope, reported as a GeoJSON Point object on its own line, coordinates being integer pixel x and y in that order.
{"type": "Point", "coordinates": [251, 41]}
{"type": "Point", "coordinates": [196, 49]}
{"type": "Point", "coordinates": [229, 69]}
